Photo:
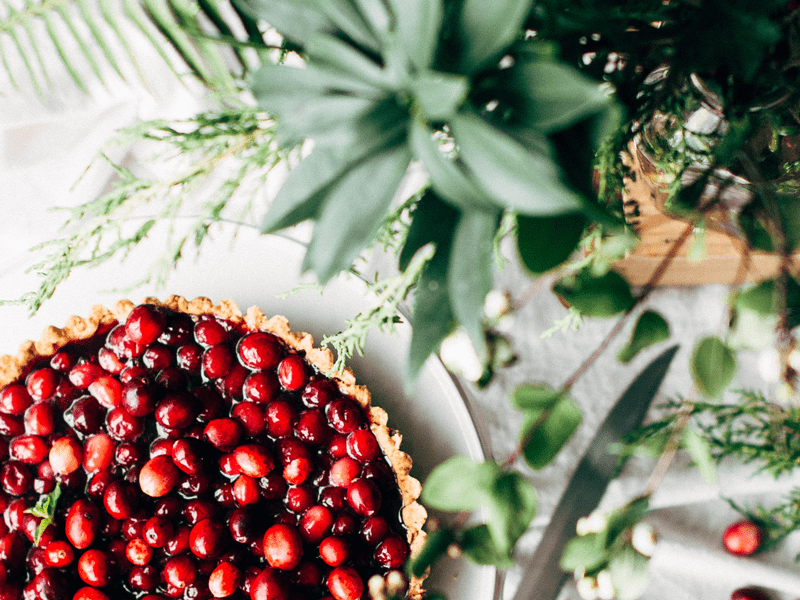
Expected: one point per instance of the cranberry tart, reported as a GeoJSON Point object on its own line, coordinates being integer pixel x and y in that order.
{"type": "Point", "coordinates": [185, 450]}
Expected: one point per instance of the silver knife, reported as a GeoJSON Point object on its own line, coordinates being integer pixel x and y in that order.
{"type": "Point", "coordinates": [543, 577]}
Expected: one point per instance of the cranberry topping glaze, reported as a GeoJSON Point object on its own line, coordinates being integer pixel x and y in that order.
{"type": "Point", "coordinates": [194, 452]}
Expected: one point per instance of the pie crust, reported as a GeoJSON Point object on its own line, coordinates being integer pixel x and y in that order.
{"type": "Point", "coordinates": [78, 328]}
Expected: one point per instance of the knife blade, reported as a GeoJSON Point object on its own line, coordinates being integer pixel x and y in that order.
{"type": "Point", "coordinates": [543, 578]}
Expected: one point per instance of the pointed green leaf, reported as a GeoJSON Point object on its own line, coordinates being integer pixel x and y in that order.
{"type": "Point", "coordinates": [602, 296]}
{"type": "Point", "coordinates": [700, 451]}
{"type": "Point", "coordinates": [436, 544]}
{"type": "Point", "coordinates": [584, 552]}
{"type": "Point", "coordinates": [340, 55]}
{"type": "Point", "coordinates": [650, 329]}
{"type": "Point", "coordinates": [713, 366]}
{"type": "Point", "coordinates": [459, 484]}
{"type": "Point", "coordinates": [623, 518]}
{"type": "Point", "coordinates": [211, 10]}
{"type": "Point", "coordinates": [447, 178]}
{"type": "Point", "coordinates": [376, 15]}
{"type": "Point", "coordinates": [478, 545]}
{"type": "Point", "coordinates": [546, 438]}
{"type": "Point", "coordinates": [487, 28]}
{"type": "Point", "coordinates": [432, 222]}
{"type": "Point", "coordinates": [470, 276]}
{"type": "Point", "coordinates": [546, 242]}
{"type": "Point", "coordinates": [552, 95]}
{"type": "Point", "coordinates": [535, 397]}
{"type": "Point", "coordinates": [311, 116]}
{"type": "Point", "coordinates": [510, 510]}
{"type": "Point", "coordinates": [23, 54]}
{"type": "Point", "coordinates": [344, 228]}
{"type": "Point", "coordinates": [526, 181]}
{"type": "Point", "coordinates": [419, 22]}
{"type": "Point", "coordinates": [97, 34]}
{"type": "Point", "coordinates": [628, 573]}
{"type": "Point", "coordinates": [62, 53]}
{"type": "Point", "coordinates": [295, 20]}
{"type": "Point", "coordinates": [345, 15]}
{"type": "Point", "coordinates": [32, 38]}
{"type": "Point", "coordinates": [759, 298]}
{"type": "Point", "coordinates": [110, 17]}
{"type": "Point", "coordinates": [7, 66]}
{"type": "Point", "coordinates": [439, 95]}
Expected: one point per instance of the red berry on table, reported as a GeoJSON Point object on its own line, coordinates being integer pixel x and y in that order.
{"type": "Point", "coordinates": [364, 497]}
{"type": "Point", "coordinates": [66, 455]}
{"type": "Point", "coordinates": [224, 580]}
{"type": "Point", "coordinates": [94, 568]}
{"type": "Point", "coordinates": [344, 583]}
{"type": "Point", "coordinates": [749, 594]}
{"type": "Point", "coordinates": [158, 476]}
{"type": "Point", "coordinates": [138, 552]}
{"type": "Point", "coordinates": [260, 350]}
{"type": "Point", "coordinates": [742, 538]}
{"type": "Point", "coordinates": [98, 453]}
{"type": "Point", "coordinates": [292, 372]}
{"type": "Point", "coordinates": [254, 460]}
{"type": "Point", "coordinates": [362, 445]}
{"type": "Point", "coordinates": [145, 324]}
{"type": "Point", "coordinates": [59, 554]}
{"type": "Point", "coordinates": [84, 521]}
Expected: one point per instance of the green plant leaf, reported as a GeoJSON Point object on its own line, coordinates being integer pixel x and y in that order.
{"type": "Point", "coordinates": [628, 571]}
{"type": "Point", "coordinates": [432, 222]}
{"type": "Point", "coordinates": [758, 298]}
{"type": "Point", "coordinates": [331, 51]}
{"type": "Point", "coordinates": [62, 53]}
{"type": "Point", "coordinates": [713, 366]}
{"type": "Point", "coordinates": [487, 28]}
{"type": "Point", "coordinates": [376, 13]}
{"type": "Point", "coordinates": [535, 397]}
{"type": "Point", "coordinates": [296, 20]}
{"type": "Point", "coordinates": [623, 518]}
{"type": "Point", "coordinates": [447, 177]}
{"type": "Point", "coordinates": [545, 438]}
{"type": "Point", "coordinates": [346, 16]}
{"type": "Point", "coordinates": [478, 545]}
{"type": "Point", "coordinates": [436, 544]}
{"type": "Point", "coordinates": [650, 329]}
{"type": "Point", "coordinates": [97, 34]}
{"type": "Point", "coordinates": [470, 275]}
{"type": "Point", "coordinates": [460, 484]}
{"type": "Point", "coordinates": [526, 181]}
{"type": "Point", "coordinates": [584, 552]}
{"type": "Point", "coordinates": [700, 451]}
{"type": "Point", "coordinates": [315, 116]}
{"type": "Point", "coordinates": [509, 510]}
{"type": "Point", "coordinates": [439, 95]}
{"type": "Point", "coordinates": [343, 227]}
{"type": "Point", "coordinates": [546, 242]}
{"type": "Point", "coordinates": [552, 95]}
{"type": "Point", "coordinates": [418, 22]}
{"type": "Point", "coordinates": [602, 296]}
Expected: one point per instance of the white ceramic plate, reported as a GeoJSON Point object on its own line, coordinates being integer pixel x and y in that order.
{"type": "Point", "coordinates": [255, 270]}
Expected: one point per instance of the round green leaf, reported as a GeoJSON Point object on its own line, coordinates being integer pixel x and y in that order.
{"type": "Point", "coordinates": [713, 366]}
{"type": "Point", "coordinates": [549, 436]}
{"type": "Point", "coordinates": [459, 484]}
{"type": "Point", "coordinates": [540, 397]}
{"type": "Point", "coordinates": [546, 242]}
{"type": "Point", "coordinates": [650, 329]}
{"type": "Point", "coordinates": [603, 296]}
{"type": "Point", "coordinates": [478, 546]}
{"type": "Point", "coordinates": [628, 573]}
{"type": "Point", "coordinates": [510, 508]}
{"type": "Point", "coordinates": [584, 552]}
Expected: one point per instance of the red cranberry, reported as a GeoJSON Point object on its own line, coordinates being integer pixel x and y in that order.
{"type": "Point", "coordinates": [158, 476]}
{"type": "Point", "coordinates": [210, 332]}
{"type": "Point", "coordinates": [169, 506]}
{"type": "Point", "coordinates": [261, 386]}
{"type": "Point", "coordinates": [85, 415]}
{"type": "Point", "coordinates": [334, 550]}
{"type": "Point", "coordinates": [208, 538]}
{"type": "Point", "coordinates": [189, 357]}
{"type": "Point", "coordinates": [270, 584]}
{"type": "Point", "coordinates": [344, 471]}
{"type": "Point", "coordinates": [743, 538]}
{"type": "Point", "coordinates": [232, 384]}
{"type": "Point", "coordinates": [120, 499]}
{"type": "Point", "coordinates": [138, 552]}
{"type": "Point", "coordinates": [122, 425]}
{"type": "Point", "coordinates": [122, 345]}
{"type": "Point", "coordinates": [374, 531]}
{"type": "Point", "coordinates": [198, 510]}
{"type": "Point", "coordinates": [273, 486]}
{"type": "Point", "coordinates": [59, 554]}
{"type": "Point", "coordinates": [293, 372]}
{"type": "Point", "coordinates": [42, 383]}
{"type": "Point", "coordinates": [749, 594]}
{"type": "Point", "coordinates": [224, 580]}
{"type": "Point", "coordinates": [299, 499]}
{"type": "Point", "coordinates": [16, 478]}
{"type": "Point", "coordinates": [345, 524]}
{"type": "Point", "coordinates": [158, 531]}
{"type": "Point", "coordinates": [252, 416]}
{"type": "Point", "coordinates": [139, 396]}
{"type": "Point", "coordinates": [246, 490]}
{"type": "Point", "coordinates": [11, 426]}
{"type": "Point", "coordinates": [66, 455]}
{"type": "Point", "coordinates": [94, 568]}
{"type": "Point", "coordinates": [172, 379]}
{"type": "Point", "coordinates": [392, 552]}
{"type": "Point", "coordinates": [107, 390]}
{"type": "Point", "coordinates": [109, 361]}
{"type": "Point", "coordinates": [179, 543]}
{"type": "Point", "coordinates": [312, 428]}
{"type": "Point", "coordinates": [298, 471]}
{"type": "Point", "coordinates": [29, 449]}
{"type": "Point", "coordinates": [129, 454]}
{"type": "Point", "coordinates": [63, 360]}
{"type": "Point", "coordinates": [334, 497]}
{"type": "Point", "coordinates": [344, 583]}
{"type": "Point", "coordinates": [180, 571]}
{"type": "Point", "coordinates": [14, 399]}
{"type": "Point", "coordinates": [308, 574]}
{"type": "Point", "coordinates": [98, 453]}
{"type": "Point", "coordinates": [337, 448]}
{"type": "Point", "coordinates": [363, 446]}
{"type": "Point", "coordinates": [176, 410]}
{"type": "Point", "coordinates": [243, 524]}
{"type": "Point", "coordinates": [364, 497]}
{"type": "Point", "coordinates": [178, 330]}
{"type": "Point", "coordinates": [84, 522]}
{"type": "Point", "coordinates": [217, 361]}
{"type": "Point", "coordinates": [281, 417]}
{"type": "Point", "coordinates": [211, 404]}
{"type": "Point", "coordinates": [315, 524]}
{"type": "Point", "coordinates": [224, 434]}
{"type": "Point", "coordinates": [12, 552]}
{"type": "Point", "coordinates": [253, 460]}
{"type": "Point", "coordinates": [158, 357]}
{"type": "Point", "coordinates": [319, 393]}
{"type": "Point", "coordinates": [187, 455]}
{"type": "Point", "coordinates": [144, 579]}
{"type": "Point", "coordinates": [283, 546]}
{"type": "Point", "coordinates": [89, 593]}
{"type": "Point", "coordinates": [260, 350]}
{"type": "Point", "coordinates": [84, 374]}
{"type": "Point", "coordinates": [344, 415]}
{"type": "Point", "coordinates": [145, 324]}
{"type": "Point", "coordinates": [40, 419]}
{"type": "Point", "coordinates": [50, 584]}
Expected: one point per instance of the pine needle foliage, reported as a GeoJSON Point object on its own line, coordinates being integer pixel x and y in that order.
{"type": "Point", "coordinates": [210, 39]}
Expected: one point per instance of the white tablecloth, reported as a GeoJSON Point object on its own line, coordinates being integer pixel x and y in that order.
{"type": "Point", "coordinates": [45, 149]}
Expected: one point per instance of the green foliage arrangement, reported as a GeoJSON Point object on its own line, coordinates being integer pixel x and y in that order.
{"type": "Point", "coordinates": [517, 111]}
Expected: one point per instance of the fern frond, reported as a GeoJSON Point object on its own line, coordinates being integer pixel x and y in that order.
{"type": "Point", "coordinates": [209, 37]}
